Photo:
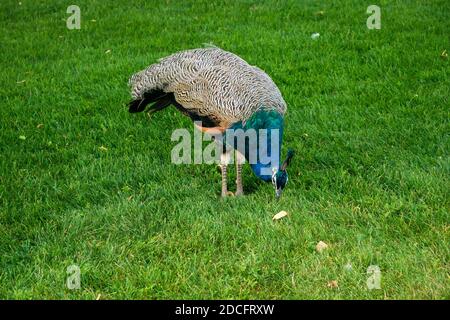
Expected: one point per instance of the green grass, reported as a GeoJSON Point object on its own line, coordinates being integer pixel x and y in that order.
{"type": "Point", "coordinates": [368, 116]}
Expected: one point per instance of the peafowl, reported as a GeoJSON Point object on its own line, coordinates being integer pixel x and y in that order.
{"type": "Point", "coordinates": [224, 93]}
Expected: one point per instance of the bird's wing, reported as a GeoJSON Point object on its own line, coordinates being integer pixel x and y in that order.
{"type": "Point", "coordinates": [181, 67]}
{"type": "Point", "coordinates": [160, 75]}
{"type": "Point", "coordinates": [209, 83]}
{"type": "Point", "coordinates": [217, 92]}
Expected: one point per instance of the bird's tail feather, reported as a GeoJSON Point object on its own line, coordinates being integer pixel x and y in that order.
{"type": "Point", "coordinates": [137, 105]}
{"type": "Point", "coordinates": [161, 104]}
{"type": "Point", "coordinates": [159, 98]}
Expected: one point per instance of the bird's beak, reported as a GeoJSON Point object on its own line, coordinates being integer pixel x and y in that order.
{"type": "Point", "coordinates": [278, 193]}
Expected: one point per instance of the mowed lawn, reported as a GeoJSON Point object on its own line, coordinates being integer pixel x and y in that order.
{"type": "Point", "coordinates": [83, 182]}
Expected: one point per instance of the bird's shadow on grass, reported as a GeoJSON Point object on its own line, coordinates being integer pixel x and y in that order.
{"type": "Point", "coordinates": [252, 187]}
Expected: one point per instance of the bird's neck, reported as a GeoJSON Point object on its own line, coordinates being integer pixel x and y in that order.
{"type": "Point", "coordinates": [265, 155]}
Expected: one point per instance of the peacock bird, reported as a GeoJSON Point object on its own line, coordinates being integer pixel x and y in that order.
{"type": "Point", "coordinates": [222, 92]}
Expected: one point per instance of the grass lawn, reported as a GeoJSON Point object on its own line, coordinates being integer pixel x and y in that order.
{"type": "Point", "coordinates": [83, 182]}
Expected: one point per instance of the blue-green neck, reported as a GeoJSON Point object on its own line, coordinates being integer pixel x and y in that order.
{"type": "Point", "coordinates": [270, 146]}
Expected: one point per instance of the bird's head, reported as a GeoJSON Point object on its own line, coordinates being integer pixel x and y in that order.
{"type": "Point", "coordinates": [280, 176]}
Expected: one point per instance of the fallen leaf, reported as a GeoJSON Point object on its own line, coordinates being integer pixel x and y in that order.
{"type": "Point", "coordinates": [321, 246]}
{"type": "Point", "coordinates": [103, 148]}
{"type": "Point", "coordinates": [332, 284]}
{"type": "Point", "coordinates": [108, 51]}
{"type": "Point", "coordinates": [40, 125]}
{"type": "Point", "coordinates": [315, 35]}
{"type": "Point", "coordinates": [22, 137]}
{"type": "Point", "coordinates": [98, 297]}
{"type": "Point", "coordinates": [444, 54]}
{"type": "Point", "coordinates": [229, 193]}
{"type": "Point", "coordinates": [21, 81]}
{"type": "Point", "coordinates": [280, 215]}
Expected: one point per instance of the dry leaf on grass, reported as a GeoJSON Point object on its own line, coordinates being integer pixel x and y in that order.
{"type": "Point", "coordinates": [321, 246]}
{"type": "Point", "coordinates": [332, 284]}
{"type": "Point", "coordinates": [280, 215]}
{"type": "Point", "coordinates": [315, 35]}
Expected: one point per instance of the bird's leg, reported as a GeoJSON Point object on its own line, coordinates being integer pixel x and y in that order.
{"type": "Point", "coordinates": [224, 180]}
{"type": "Point", "coordinates": [224, 161]}
{"type": "Point", "coordinates": [240, 159]}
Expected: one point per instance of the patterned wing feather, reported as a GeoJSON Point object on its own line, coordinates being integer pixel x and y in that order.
{"type": "Point", "coordinates": [211, 82]}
